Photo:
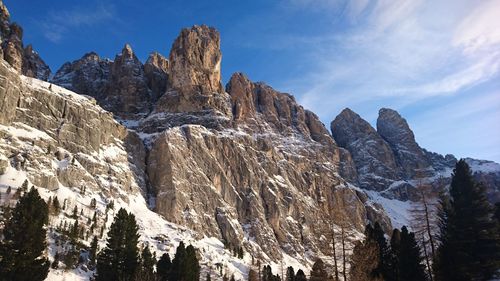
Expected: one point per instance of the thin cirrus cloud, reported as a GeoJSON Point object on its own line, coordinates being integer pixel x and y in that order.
{"type": "Point", "coordinates": [57, 24]}
{"type": "Point", "coordinates": [403, 49]}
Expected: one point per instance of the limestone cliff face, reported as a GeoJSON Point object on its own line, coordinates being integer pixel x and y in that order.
{"type": "Point", "coordinates": [409, 155]}
{"type": "Point", "coordinates": [60, 138]}
{"type": "Point", "coordinates": [127, 92]}
{"type": "Point", "coordinates": [194, 83]}
{"type": "Point", "coordinates": [23, 60]}
{"type": "Point", "coordinates": [375, 162]}
{"type": "Point", "coordinates": [124, 86]}
{"type": "Point", "coordinates": [87, 76]}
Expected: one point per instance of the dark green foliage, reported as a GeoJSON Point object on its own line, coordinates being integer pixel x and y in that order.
{"type": "Point", "coordinates": [267, 274]}
{"type": "Point", "coordinates": [74, 231]}
{"type": "Point", "coordinates": [185, 266]}
{"type": "Point", "coordinates": [120, 259]}
{"type": "Point", "coordinates": [71, 258]}
{"type": "Point", "coordinates": [318, 272]}
{"type": "Point", "coordinates": [290, 274]}
{"type": "Point", "coordinates": [75, 212]}
{"type": "Point", "coordinates": [191, 265]}
{"type": "Point", "coordinates": [178, 262]}
{"type": "Point", "coordinates": [93, 250]}
{"type": "Point", "coordinates": [469, 235]}
{"type": "Point", "coordinates": [147, 265]}
{"type": "Point", "coordinates": [300, 276]}
{"type": "Point", "coordinates": [163, 267]}
{"type": "Point", "coordinates": [55, 263]}
{"type": "Point", "coordinates": [21, 251]}
{"type": "Point", "coordinates": [208, 278]}
{"type": "Point", "coordinates": [56, 206]}
{"type": "Point", "coordinates": [384, 268]}
{"type": "Point", "coordinates": [408, 265]}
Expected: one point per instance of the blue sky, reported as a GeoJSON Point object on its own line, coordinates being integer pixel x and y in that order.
{"type": "Point", "coordinates": [436, 62]}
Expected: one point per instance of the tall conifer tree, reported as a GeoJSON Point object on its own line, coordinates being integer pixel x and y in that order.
{"type": "Point", "coordinates": [21, 251]}
{"type": "Point", "coordinates": [120, 259]}
{"type": "Point", "coordinates": [470, 242]}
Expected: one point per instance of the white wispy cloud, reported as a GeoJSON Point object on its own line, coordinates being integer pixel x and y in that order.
{"type": "Point", "coordinates": [59, 23]}
{"type": "Point", "coordinates": [411, 49]}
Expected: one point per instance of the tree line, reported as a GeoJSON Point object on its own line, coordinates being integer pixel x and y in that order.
{"type": "Point", "coordinates": [465, 247]}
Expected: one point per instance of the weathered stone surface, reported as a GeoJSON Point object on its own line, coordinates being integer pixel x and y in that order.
{"type": "Point", "coordinates": [156, 72]}
{"type": "Point", "coordinates": [86, 76]}
{"type": "Point", "coordinates": [127, 91]}
{"type": "Point", "coordinates": [33, 65]}
{"type": "Point", "coordinates": [410, 157]}
{"type": "Point", "coordinates": [374, 159]}
{"type": "Point", "coordinates": [12, 47]}
{"type": "Point", "coordinates": [280, 196]}
{"type": "Point", "coordinates": [58, 137]}
{"type": "Point", "coordinates": [194, 74]}
{"type": "Point", "coordinates": [257, 105]}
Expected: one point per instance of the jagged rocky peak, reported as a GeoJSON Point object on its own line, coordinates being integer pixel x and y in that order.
{"type": "Point", "coordinates": [377, 168]}
{"type": "Point", "coordinates": [410, 156]}
{"type": "Point", "coordinates": [194, 73]}
{"type": "Point", "coordinates": [195, 60]}
{"type": "Point", "coordinates": [12, 46]}
{"type": "Point", "coordinates": [4, 20]}
{"type": "Point", "coordinates": [86, 76]}
{"type": "Point", "coordinates": [127, 92]}
{"type": "Point", "coordinates": [256, 102]}
{"type": "Point", "coordinates": [33, 65]}
{"type": "Point", "coordinates": [156, 71]}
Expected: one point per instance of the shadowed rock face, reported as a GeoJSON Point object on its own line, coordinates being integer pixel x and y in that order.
{"type": "Point", "coordinates": [87, 76]}
{"type": "Point", "coordinates": [374, 159]}
{"type": "Point", "coordinates": [127, 92]}
{"type": "Point", "coordinates": [156, 72]}
{"type": "Point", "coordinates": [33, 65]}
{"type": "Point", "coordinates": [409, 155]}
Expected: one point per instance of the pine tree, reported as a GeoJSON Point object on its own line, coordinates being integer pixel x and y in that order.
{"type": "Point", "coordinates": [300, 276]}
{"type": "Point", "coordinates": [290, 274]}
{"type": "Point", "coordinates": [409, 266]}
{"type": "Point", "coordinates": [178, 262]}
{"type": "Point", "coordinates": [120, 259]}
{"type": "Point", "coordinates": [147, 265]}
{"type": "Point", "coordinates": [163, 267]}
{"type": "Point", "coordinates": [93, 251]}
{"type": "Point", "coordinates": [56, 206]}
{"type": "Point", "coordinates": [75, 212]}
{"type": "Point", "coordinates": [470, 238]}
{"type": "Point", "coordinates": [191, 266]}
{"type": "Point", "coordinates": [385, 269]}
{"type": "Point", "coordinates": [21, 251]}
{"type": "Point", "coordinates": [208, 277]}
{"type": "Point", "coordinates": [318, 272]}
{"type": "Point", "coordinates": [232, 278]}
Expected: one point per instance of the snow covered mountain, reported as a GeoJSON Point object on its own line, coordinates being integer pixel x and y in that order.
{"type": "Point", "coordinates": [241, 166]}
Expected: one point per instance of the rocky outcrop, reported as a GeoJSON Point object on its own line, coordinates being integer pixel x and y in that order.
{"type": "Point", "coordinates": [60, 138]}
{"type": "Point", "coordinates": [409, 155]}
{"type": "Point", "coordinates": [156, 72]}
{"type": "Point", "coordinates": [194, 74]}
{"type": "Point", "coordinates": [86, 76]}
{"type": "Point", "coordinates": [12, 47]}
{"type": "Point", "coordinates": [127, 92]}
{"type": "Point", "coordinates": [280, 195]}
{"type": "Point", "coordinates": [34, 66]}
{"type": "Point", "coordinates": [372, 155]}
{"type": "Point", "coordinates": [257, 106]}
